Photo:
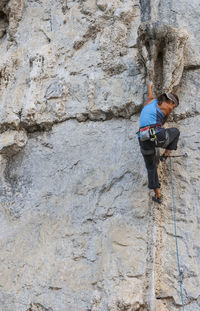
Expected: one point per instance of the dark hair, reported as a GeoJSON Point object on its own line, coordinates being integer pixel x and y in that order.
{"type": "Point", "coordinates": [165, 98]}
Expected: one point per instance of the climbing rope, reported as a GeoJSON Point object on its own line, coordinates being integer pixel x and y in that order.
{"type": "Point", "coordinates": [177, 252]}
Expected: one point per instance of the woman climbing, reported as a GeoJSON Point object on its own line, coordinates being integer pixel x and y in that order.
{"type": "Point", "coordinates": [151, 134]}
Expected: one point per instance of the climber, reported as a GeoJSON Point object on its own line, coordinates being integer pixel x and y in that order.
{"type": "Point", "coordinates": [152, 134]}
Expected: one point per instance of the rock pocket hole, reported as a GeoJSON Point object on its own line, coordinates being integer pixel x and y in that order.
{"type": "Point", "coordinates": [3, 24]}
{"type": "Point", "coordinates": [158, 72]}
{"type": "Point", "coordinates": [147, 45]}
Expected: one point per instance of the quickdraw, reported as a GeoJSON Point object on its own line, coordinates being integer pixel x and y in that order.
{"type": "Point", "coordinates": [152, 134]}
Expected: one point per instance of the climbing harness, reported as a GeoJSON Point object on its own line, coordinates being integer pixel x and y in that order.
{"type": "Point", "coordinates": [175, 234]}
{"type": "Point", "coordinates": [144, 133]}
{"type": "Point", "coordinates": [148, 132]}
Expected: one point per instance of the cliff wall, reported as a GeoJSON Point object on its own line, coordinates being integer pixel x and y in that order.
{"type": "Point", "coordinates": [78, 229]}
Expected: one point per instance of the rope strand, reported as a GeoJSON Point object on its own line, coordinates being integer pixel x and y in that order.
{"type": "Point", "coordinates": [177, 252]}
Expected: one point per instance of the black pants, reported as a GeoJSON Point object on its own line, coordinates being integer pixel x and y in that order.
{"type": "Point", "coordinates": [167, 139]}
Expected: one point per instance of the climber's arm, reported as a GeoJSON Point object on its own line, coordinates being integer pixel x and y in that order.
{"type": "Point", "coordinates": [165, 118]}
{"type": "Point", "coordinates": [169, 110]}
{"type": "Point", "coordinates": [150, 94]}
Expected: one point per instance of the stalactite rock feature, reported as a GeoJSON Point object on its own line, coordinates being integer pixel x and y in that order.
{"type": "Point", "coordinates": [161, 53]}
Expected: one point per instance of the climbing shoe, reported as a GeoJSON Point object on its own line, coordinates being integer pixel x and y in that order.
{"type": "Point", "coordinates": [163, 158]}
{"type": "Point", "coordinates": [157, 200]}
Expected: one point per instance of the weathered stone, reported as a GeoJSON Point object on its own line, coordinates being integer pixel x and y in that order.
{"type": "Point", "coordinates": [78, 230]}
{"type": "Point", "coordinates": [3, 4]}
{"type": "Point", "coordinates": [106, 188]}
{"type": "Point", "coordinates": [11, 12]}
{"type": "Point", "coordinates": [12, 142]}
{"type": "Point", "coordinates": [38, 307]}
{"type": "Point", "coordinates": [113, 45]}
{"type": "Point", "coordinates": [3, 24]}
{"type": "Point", "coordinates": [161, 52]}
{"type": "Point", "coordinates": [102, 4]}
{"type": "Point", "coordinates": [54, 90]}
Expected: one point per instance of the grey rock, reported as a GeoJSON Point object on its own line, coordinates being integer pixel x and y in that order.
{"type": "Point", "coordinates": [38, 307]}
{"type": "Point", "coordinates": [161, 52]}
{"type": "Point", "coordinates": [78, 230]}
{"type": "Point", "coordinates": [102, 4]}
{"type": "Point", "coordinates": [54, 90]}
{"type": "Point", "coordinates": [11, 142]}
{"type": "Point", "coordinates": [3, 24]}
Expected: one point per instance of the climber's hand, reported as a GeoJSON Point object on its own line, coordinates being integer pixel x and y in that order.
{"type": "Point", "coordinates": [150, 92]}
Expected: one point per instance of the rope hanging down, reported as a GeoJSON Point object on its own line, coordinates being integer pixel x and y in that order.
{"type": "Point", "coordinates": [177, 252]}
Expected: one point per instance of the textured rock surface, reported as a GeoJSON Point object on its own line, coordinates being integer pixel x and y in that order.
{"type": "Point", "coordinates": [11, 142]}
{"type": "Point", "coordinates": [161, 52]}
{"type": "Point", "coordinates": [78, 228]}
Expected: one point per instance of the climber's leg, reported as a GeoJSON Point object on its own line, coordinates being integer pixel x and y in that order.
{"type": "Point", "coordinates": [153, 181]}
{"type": "Point", "coordinates": [173, 134]}
{"type": "Point", "coordinates": [168, 139]}
{"type": "Point", "coordinates": [149, 155]}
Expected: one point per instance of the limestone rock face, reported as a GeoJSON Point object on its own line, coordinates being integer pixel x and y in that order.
{"type": "Point", "coordinates": [11, 12]}
{"type": "Point", "coordinates": [161, 52]}
{"type": "Point", "coordinates": [78, 229]}
{"type": "Point", "coordinates": [11, 142]}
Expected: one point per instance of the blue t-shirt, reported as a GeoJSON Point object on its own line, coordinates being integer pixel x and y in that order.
{"type": "Point", "coordinates": [151, 114]}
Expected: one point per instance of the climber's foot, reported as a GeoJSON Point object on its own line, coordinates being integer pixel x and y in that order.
{"type": "Point", "coordinates": [163, 158]}
{"type": "Point", "coordinates": [157, 199]}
